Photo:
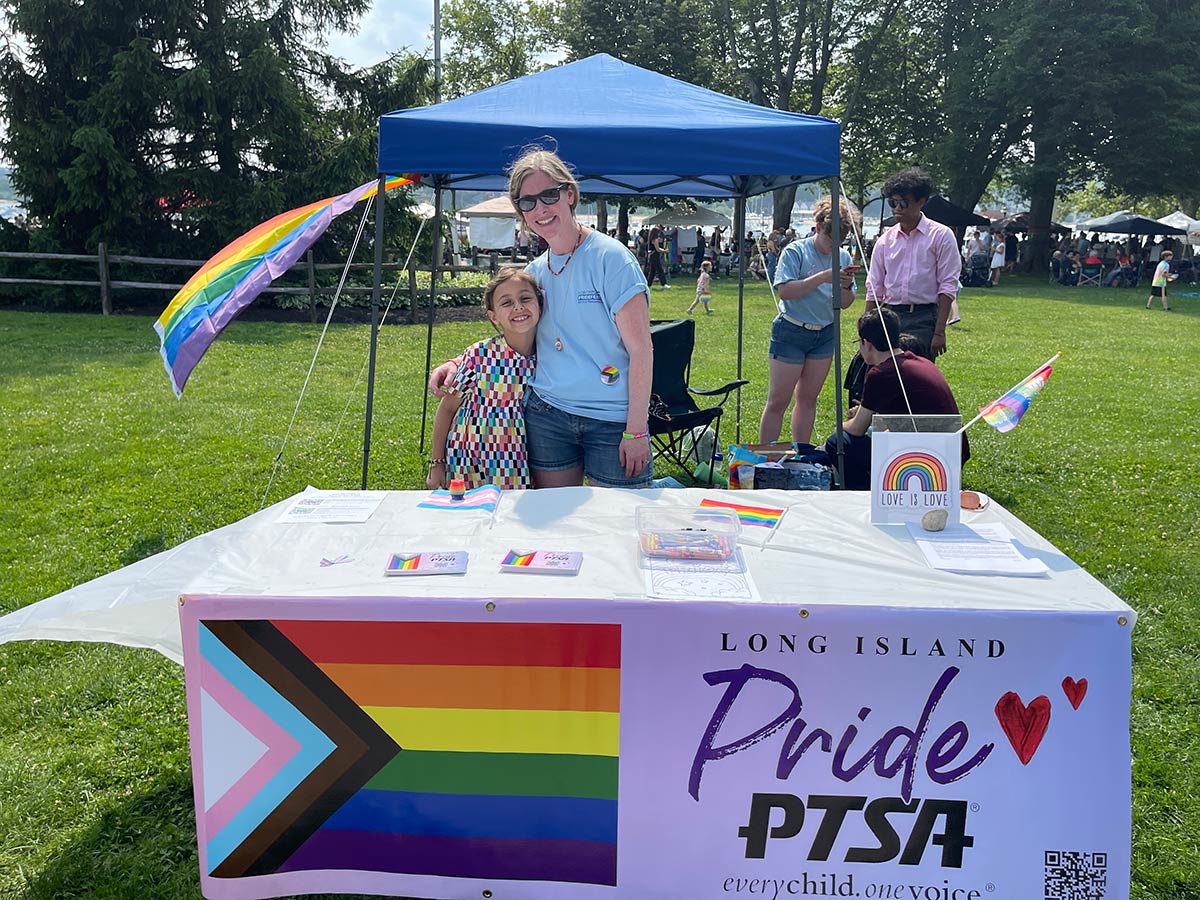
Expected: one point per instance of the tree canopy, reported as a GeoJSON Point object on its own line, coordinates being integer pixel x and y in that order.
{"type": "Point", "coordinates": [169, 127]}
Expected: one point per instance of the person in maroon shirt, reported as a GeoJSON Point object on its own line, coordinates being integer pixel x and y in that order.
{"type": "Point", "coordinates": [928, 393]}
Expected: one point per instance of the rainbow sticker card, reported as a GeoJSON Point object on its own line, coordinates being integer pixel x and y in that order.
{"type": "Point", "coordinates": [552, 562]}
{"type": "Point", "coordinates": [440, 562]}
{"type": "Point", "coordinates": [914, 473]}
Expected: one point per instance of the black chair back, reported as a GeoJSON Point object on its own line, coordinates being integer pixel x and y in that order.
{"type": "Point", "coordinates": [673, 342]}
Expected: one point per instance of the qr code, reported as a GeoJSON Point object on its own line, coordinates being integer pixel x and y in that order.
{"type": "Point", "coordinates": [1074, 875]}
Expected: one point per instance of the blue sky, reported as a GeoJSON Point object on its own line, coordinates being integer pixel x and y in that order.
{"type": "Point", "coordinates": [389, 26]}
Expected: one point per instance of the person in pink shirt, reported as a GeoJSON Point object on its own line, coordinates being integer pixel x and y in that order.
{"type": "Point", "coordinates": [915, 265]}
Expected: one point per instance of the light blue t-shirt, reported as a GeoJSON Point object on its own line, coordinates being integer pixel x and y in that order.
{"type": "Point", "coordinates": [580, 315]}
{"type": "Point", "coordinates": [800, 259]}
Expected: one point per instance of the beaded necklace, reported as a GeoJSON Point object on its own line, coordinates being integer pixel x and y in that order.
{"type": "Point", "coordinates": [570, 256]}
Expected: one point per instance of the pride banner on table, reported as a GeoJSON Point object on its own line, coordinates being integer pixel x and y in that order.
{"type": "Point", "coordinates": [583, 749]}
{"type": "Point", "coordinates": [456, 749]}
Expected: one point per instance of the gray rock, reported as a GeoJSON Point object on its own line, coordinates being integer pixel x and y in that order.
{"type": "Point", "coordinates": [935, 520]}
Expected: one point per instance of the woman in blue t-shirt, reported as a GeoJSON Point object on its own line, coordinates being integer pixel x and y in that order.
{"type": "Point", "coordinates": [802, 335]}
{"type": "Point", "coordinates": [586, 409]}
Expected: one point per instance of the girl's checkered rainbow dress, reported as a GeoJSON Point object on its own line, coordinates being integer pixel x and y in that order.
{"type": "Point", "coordinates": [486, 444]}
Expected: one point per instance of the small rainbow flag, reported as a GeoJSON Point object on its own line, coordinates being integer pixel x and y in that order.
{"type": "Point", "coordinates": [513, 558]}
{"type": "Point", "coordinates": [762, 516]}
{"type": "Point", "coordinates": [227, 283]}
{"type": "Point", "coordinates": [1005, 413]}
{"type": "Point", "coordinates": [486, 497]}
{"type": "Point", "coordinates": [509, 734]}
{"type": "Point", "coordinates": [405, 563]}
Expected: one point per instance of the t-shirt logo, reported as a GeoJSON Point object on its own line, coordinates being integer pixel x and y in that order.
{"type": "Point", "coordinates": [589, 297]}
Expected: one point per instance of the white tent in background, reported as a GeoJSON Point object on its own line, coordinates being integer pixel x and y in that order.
{"type": "Point", "coordinates": [688, 215]}
{"type": "Point", "coordinates": [1098, 223]}
{"type": "Point", "coordinates": [1180, 219]}
{"type": "Point", "coordinates": [491, 224]}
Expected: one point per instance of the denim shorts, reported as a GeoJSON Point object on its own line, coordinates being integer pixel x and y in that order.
{"type": "Point", "coordinates": [795, 345]}
{"type": "Point", "coordinates": [556, 440]}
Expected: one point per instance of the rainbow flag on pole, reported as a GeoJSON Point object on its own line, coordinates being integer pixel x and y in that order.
{"type": "Point", "coordinates": [227, 283]}
{"type": "Point", "coordinates": [1005, 413]}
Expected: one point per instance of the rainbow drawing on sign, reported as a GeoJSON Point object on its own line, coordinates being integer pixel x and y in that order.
{"type": "Point", "coordinates": [453, 749]}
{"type": "Point", "coordinates": [513, 558]}
{"type": "Point", "coordinates": [925, 467]}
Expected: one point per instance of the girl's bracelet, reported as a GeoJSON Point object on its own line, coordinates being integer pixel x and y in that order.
{"type": "Point", "coordinates": [438, 461]}
{"type": "Point", "coordinates": [634, 435]}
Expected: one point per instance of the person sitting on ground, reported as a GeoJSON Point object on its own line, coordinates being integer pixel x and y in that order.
{"type": "Point", "coordinates": [881, 346]}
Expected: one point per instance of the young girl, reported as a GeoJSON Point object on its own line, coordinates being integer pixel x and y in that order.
{"type": "Point", "coordinates": [1162, 275]}
{"type": "Point", "coordinates": [479, 427]}
{"type": "Point", "coordinates": [703, 283]}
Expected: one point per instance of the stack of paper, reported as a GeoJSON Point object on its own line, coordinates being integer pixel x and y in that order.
{"type": "Point", "coordinates": [975, 550]}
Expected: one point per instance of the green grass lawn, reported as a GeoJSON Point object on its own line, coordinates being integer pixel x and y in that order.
{"type": "Point", "coordinates": [102, 466]}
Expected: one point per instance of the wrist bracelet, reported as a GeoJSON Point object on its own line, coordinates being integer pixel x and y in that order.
{"type": "Point", "coordinates": [437, 461]}
{"type": "Point", "coordinates": [634, 435]}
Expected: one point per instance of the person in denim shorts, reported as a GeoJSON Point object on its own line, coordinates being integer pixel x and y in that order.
{"type": "Point", "coordinates": [587, 406]}
{"type": "Point", "coordinates": [802, 335]}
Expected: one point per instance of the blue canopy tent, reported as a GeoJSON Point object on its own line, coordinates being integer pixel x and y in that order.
{"type": "Point", "coordinates": [624, 130]}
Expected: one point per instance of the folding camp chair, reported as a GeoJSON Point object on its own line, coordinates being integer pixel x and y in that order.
{"type": "Point", "coordinates": [676, 420]}
{"type": "Point", "coordinates": [1089, 275]}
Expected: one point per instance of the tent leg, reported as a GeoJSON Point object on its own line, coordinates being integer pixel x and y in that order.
{"type": "Point", "coordinates": [433, 275]}
{"type": "Point", "coordinates": [739, 226]}
{"type": "Point", "coordinates": [835, 217]}
{"type": "Point", "coordinates": [376, 280]}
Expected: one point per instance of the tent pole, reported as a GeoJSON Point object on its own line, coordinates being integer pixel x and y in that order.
{"type": "Point", "coordinates": [376, 280]}
{"type": "Point", "coordinates": [739, 226]}
{"type": "Point", "coordinates": [433, 274]}
{"type": "Point", "coordinates": [835, 219]}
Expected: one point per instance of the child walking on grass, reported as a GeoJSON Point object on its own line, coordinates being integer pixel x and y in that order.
{"type": "Point", "coordinates": [703, 288]}
{"type": "Point", "coordinates": [479, 427]}
{"type": "Point", "coordinates": [1162, 275]}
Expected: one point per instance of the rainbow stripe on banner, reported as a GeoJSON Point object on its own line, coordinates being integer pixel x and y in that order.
{"type": "Point", "coordinates": [513, 558]}
{"type": "Point", "coordinates": [1005, 413]}
{"type": "Point", "coordinates": [229, 282]}
{"type": "Point", "coordinates": [454, 749]}
{"type": "Point", "coordinates": [763, 516]}
{"type": "Point", "coordinates": [925, 467]}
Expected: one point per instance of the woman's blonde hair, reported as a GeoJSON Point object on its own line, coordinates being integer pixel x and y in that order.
{"type": "Point", "coordinates": [535, 158]}
{"type": "Point", "coordinates": [824, 207]}
{"type": "Point", "coordinates": [508, 273]}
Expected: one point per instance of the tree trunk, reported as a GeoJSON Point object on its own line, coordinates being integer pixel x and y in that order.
{"type": "Point", "coordinates": [602, 215]}
{"type": "Point", "coordinates": [782, 202]}
{"type": "Point", "coordinates": [1043, 183]}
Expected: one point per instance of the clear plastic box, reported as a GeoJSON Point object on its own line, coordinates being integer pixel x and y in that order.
{"type": "Point", "coordinates": [675, 533]}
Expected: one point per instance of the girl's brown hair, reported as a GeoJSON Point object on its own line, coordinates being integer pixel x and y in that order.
{"type": "Point", "coordinates": [508, 273]}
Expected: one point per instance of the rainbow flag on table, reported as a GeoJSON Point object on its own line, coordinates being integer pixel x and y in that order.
{"type": "Point", "coordinates": [763, 516]}
{"type": "Point", "coordinates": [510, 737]}
{"type": "Point", "coordinates": [1005, 413]}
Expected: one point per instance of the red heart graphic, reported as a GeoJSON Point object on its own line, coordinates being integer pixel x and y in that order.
{"type": "Point", "coordinates": [1075, 690]}
{"type": "Point", "coordinates": [1024, 725]}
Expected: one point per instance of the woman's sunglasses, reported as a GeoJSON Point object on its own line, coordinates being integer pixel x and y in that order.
{"type": "Point", "coordinates": [548, 197]}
